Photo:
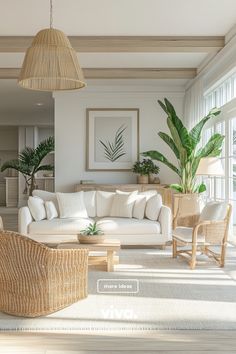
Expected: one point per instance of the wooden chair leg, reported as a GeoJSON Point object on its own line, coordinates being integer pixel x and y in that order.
{"type": "Point", "coordinates": [174, 248]}
{"type": "Point", "coordinates": [193, 258]}
{"type": "Point", "coordinates": [222, 255]}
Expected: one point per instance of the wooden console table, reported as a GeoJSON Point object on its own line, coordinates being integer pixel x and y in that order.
{"type": "Point", "coordinates": [162, 189]}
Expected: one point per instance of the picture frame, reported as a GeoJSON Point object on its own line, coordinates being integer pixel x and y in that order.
{"type": "Point", "coordinates": [112, 138]}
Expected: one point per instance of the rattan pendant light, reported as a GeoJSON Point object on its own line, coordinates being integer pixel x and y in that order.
{"type": "Point", "coordinates": [51, 64]}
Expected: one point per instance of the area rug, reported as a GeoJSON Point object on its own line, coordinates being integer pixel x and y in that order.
{"type": "Point", "coordinates": [148, 291]}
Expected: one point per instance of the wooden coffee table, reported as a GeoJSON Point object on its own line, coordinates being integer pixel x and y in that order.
{"type": "Point", "coordinates": [110, 246]}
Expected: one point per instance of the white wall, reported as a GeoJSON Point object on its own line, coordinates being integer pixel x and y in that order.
{"type": "Point", "coordinates": [70, 129]}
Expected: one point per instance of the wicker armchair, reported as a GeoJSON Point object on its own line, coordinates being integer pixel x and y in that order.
{"type": "Point", "coordinates": [210, 230]}
{"type": "Point", "coordinates": [36, 280]}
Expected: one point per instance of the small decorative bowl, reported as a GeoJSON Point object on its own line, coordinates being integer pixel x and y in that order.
{"type": "Point", "coordinates": [91, 239]}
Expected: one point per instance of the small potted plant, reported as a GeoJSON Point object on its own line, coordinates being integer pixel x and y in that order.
{"type": "Point", "coordinates": [145, 170]}
{"type": "Point", "coordinates": [92, 234]}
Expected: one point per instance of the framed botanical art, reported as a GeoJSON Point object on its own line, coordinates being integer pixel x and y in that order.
{"type": "Point", "coordinates": [112, 138]}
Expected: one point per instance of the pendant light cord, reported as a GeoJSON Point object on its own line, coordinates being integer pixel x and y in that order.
{"type": "Point", "coordinates": [51, 14]}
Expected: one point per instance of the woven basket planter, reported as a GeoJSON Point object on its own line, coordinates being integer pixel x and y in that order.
{"type": "Point", "coordinates": [91, 238]}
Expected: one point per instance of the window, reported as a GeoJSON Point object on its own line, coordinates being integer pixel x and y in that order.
{"type": "Point", "coordinates": [222, 93]}
{"type": "Point", "coordinates": [224, 188]}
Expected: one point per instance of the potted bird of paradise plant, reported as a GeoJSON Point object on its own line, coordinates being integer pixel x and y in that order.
{"type": "Point", "coordinates": [186, 147]}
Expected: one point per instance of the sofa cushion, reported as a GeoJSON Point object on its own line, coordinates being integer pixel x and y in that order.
{"type": "Point", "coordinates": [46, 196]}
{"type": "Point", "coordinates": [139, 207]}
{"type": "Point", "coordinates": [148, 194]}
{"type": "Point", "coordinates": [37, 208]}
{"type": "Point", "coordinates": [104, 203]}
{"type": "Point", "coordinates": [120, 226]}
{"type": "Point", "coordinates": [122, 204]}
{"type": "Point", "coordinates": [70, 226]}
{"type": "Point", "coordinates": [153, 207]}
{"type": "Point", "coordinates": [71, 205]}
{"type": "Point", "coordinates": [90, 203]}
{"type": "Point", "coordinates": [51, 210]}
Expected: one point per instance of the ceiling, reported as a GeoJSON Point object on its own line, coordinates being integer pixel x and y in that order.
{"type": "Point", "coordinates": [125, 39]}
{"type": "Point", "coordinates": [120, 17]}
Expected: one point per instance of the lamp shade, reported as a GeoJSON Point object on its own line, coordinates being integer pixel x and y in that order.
{"type": "Point", "coordinates": [51, 64]}
{"type": "Point", "coordinates": [210, 166]}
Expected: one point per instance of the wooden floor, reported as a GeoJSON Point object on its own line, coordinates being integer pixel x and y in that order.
{"type": "Point", "coordinates": [165, 342]}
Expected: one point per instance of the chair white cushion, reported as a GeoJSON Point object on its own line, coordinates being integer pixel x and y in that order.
{"type": "Point", "coordinates": [90, 203]}
{"type": "Point", "coordinates": [122, 204]}
{"type": "Point", "coordinates": [37, 208]}
{"type": "Point", "coordinates": [71, 205]}
{"type": "Point", "coordinates": [139, 207]}
{"type": "Point", "coordinates": [185, 234]}
{"type": "Point", "coordinates": [104, 203]}
{"type": "Point", "coordinates": [46, 196]}
{"type": "Point", "coordinates": [69, 226]}
{"type": "Point", "coordinates": [51, 210]}
{"type": "Point", "coordinates": [126, 226]}
{"type": "Point", "coordinates": [153, 207]}
{"type": "Point", "coordinates": [214, 211]}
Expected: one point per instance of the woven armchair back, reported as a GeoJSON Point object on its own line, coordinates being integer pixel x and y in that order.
{"type": "Point", "coordinates": [36, 280]}
{"type": "Point", "coordinates": [217, 233]}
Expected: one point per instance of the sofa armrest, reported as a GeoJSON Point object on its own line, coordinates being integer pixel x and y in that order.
{"type": "Point", "coordinates": [24, 219]}
{"type": "Point", "coordinates": [165, 219]}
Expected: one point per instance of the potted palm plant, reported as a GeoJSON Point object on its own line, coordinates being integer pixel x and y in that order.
{"type": "Point", "coordinates": [29, 162]}
{"type": "Point", "coordinates": [91, 234]}
{"type": "Point", "coordinates": [145, 169]}
{"type": "Point", "coordinates": [185, 146]}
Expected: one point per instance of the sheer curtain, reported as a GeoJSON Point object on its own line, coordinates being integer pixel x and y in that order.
{"type": "Point", "coordinates": [194, 103]}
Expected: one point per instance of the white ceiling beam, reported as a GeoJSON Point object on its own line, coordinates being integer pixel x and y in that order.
{"type": "Point", "coordinates": [118, 73]}
{"type": "Point", "coordinates": [121, 44]}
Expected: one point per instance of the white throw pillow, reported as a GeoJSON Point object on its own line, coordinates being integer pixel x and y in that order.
{"type": "Point", "coordinates": [37, 208]}
{"type": "Point", "coordinates": [214, 211]}
{"type": "Point", "coordinates": [122, 204]}
{"type": "Point", "coordinates": [153, 207]}
{"type": "Point", "coordinates": [149, 194]}
{"type": "Point", "coordinates": [104, 203]}
{"type": "Point", "coordinates": [139, 207]}
{"type": "Point", "coordinates": [46, 196]}
{"type": "Point", "coordinates": [90, 203]}
{"type": "Point", "coordinates": [71, 205]}
{"type": "Point", "coordinates": [51, 210]}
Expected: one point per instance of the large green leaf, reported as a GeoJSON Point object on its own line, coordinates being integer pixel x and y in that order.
{"type": "Point", "coordinates": [201, 188]}
{"type": "Point", "coordinates": [16, 165]}
{"type": "Point", "coordinates": [170, 142]}
{"type": "Point", "coordinates": [179, 127]}
{"type": "Point", "coordinates": [177, 187]}
{"type": "Point", "coordinates": [212, 147]}
{"type": "Point", "coordinates": [163, 106]}
{"type": "Point", "coordinates": [43, 149]}
{"type": "Point", "coordinates": [196, 131]}
{"type": "Point", "coordinates": [155, 155]}
{"type": "Point", "coordinates": [183, 154]}
{"type": "Point", "coordinates": [27, 156]}
{"type": "Point", "coordinates": [45, 168]}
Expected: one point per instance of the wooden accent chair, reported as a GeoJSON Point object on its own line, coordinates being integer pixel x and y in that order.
{"type": "Point", "coordinates": [210, 230]}
{"type": "Point", "coordinates": [36, 280]}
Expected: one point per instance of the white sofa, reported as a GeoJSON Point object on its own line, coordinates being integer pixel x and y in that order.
{"type": "Point", "coordinates": [130, 231]}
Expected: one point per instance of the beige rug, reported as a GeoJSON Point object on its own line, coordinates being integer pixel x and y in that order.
{"type": "Point", "coordinates": [148, 291]}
